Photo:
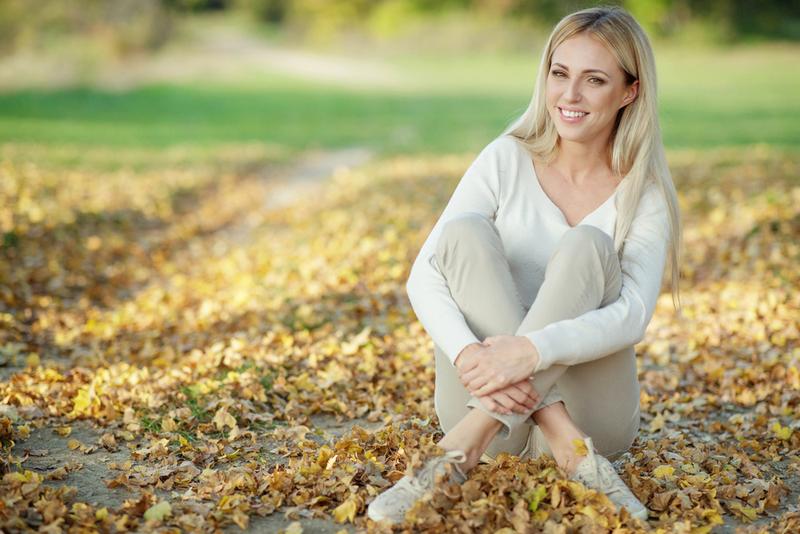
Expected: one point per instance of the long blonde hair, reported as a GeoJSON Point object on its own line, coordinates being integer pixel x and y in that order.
{"type": "Point", "coordinates": [637, 151]}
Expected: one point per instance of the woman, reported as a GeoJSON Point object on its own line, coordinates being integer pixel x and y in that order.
{"type": "Point", "coordinates": [552, 251]}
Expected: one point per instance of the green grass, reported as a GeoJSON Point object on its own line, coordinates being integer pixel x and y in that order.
{"type": "Point", "coordinates": [708, 99]}
{"type": "Point", "coordinates": [305, 117]}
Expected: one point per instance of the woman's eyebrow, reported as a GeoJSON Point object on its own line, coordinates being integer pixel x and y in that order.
{"type": "Point", "coordinates": [584, 72]}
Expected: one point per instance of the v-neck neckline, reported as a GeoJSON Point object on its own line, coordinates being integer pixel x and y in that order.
{"type": "Point", "coordinates": [553, 205]}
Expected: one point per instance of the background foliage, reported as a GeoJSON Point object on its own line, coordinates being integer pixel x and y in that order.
{"type": "Point", "coordinates": [130, 26]}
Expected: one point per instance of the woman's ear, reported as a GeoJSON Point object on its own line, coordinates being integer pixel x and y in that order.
{"type": "Point", "coordinates": [630, 94]}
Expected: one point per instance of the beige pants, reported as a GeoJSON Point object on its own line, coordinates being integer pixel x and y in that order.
{"type": "Point", "coordinates": [583, 273]}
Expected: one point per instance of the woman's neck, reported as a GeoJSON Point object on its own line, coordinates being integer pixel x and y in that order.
{"type": "Point", "coordinates": [581, 163]}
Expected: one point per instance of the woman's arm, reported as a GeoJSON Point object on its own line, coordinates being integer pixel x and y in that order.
{"type": "Point", "coordinates": [478, 191]}
{"type": "Point", "coordinates": [622, 323]}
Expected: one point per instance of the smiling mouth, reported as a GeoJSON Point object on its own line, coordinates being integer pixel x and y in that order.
{"type": "Point", "coordinates": [572, 114]}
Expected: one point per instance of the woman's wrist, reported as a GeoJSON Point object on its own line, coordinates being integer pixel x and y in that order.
{"type": "Point", "coordinates": [533, 354]}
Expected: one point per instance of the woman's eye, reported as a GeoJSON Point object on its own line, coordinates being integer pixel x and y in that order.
{"type": "Point", "coordinates": [596, 81]}
{"type": "Point", "coordinates": [557, 73]}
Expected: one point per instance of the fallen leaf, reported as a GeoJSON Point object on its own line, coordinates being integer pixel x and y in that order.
{"type": "Point", "coordinates": [158, 511]}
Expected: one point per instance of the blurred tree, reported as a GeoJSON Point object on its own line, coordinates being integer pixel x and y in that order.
{"type": "Point", "coordinates": [322, 21]}
{"type": "Point", "coordinates": [197, 5]}
{"type": "Point", "coordinates": [390, 17]}
{"type": "Point", "coordinates": [120, 26]}
{"type": "Point", "coordinates": [549, 11]}
{"type": "Point", "coordinates": [131, 25]}
{"type": "Point", "coordinates": [654, 15]}
{"type": "Point", "coordinates": [271, 11]}
{"type": "Point", "coordinates": [749, 18]}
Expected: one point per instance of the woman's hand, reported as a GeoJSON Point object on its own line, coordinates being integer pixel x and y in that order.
{"type": "Point", "coordinates": [520, 397]}
{"type": "Point", "coordinates": [496, 363]}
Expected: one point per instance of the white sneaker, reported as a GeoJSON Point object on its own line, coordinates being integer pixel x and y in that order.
{"type": "Point", "coordinates": [596, 472]}
{"type": "Point", "coordinates": [392, 504]}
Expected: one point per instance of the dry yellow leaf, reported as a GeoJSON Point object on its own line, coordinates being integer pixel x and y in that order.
{"type": "Point", "coordinates": [663, 471]}
{"type": "Point", "coordinates": [223, 419]}
{"type": "Point", "coordinates": [81, 402]}
{"type": "Point", "coordinates": [747, 512]}
{"type": "Point", "coordinates": [158, 511]}
{"type": "Point", "coordinates": [782, 432]}
{"type": "Point", "coordinates": [657, 423]}
{"type": "Point", "coordinates": [63, 431]}
{"type": "Point", "coordinates": [168, 424]}
{"type": "Point", "coordinates": [108, 441]}
{"type": "Point", "coordinates": [347, 510]}
{"type": "Point", "coordinates": [32, 360]}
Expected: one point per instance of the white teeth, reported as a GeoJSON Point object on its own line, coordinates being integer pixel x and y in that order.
{"type": "Point", "coordinates": [572, 114]}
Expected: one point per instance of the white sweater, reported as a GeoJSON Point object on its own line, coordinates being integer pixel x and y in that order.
{"type": "Point", "coordinates": [501, 183]}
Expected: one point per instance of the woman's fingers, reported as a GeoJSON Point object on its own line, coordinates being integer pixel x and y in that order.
{"type": "Point", "coordinates": [474, 379]}
{"type": "Point", "coordinates": [488, 382]}
{"type": "Point", "coordinates": [503, 402]}
{"type": "Point", "coordinates": [481, 382]}
{"type": "Point", "coordinates": [513, 403]}
{"type": "Point", "coordinates": [507, 404]}
{"type": "Point", "coordinates": [468, 364]}
{"type": "Point", "coordinates": [492, 403]}
{"type": "Point", "coordinates": [527, 388]}
{"type": "Point", "coordinates": [479, 390]}
{"type": "Point", "coordinates": [523, 397]}
{"type": "Point", "coordinates": [489, 387]}
{"type": "Point", "coordinates": [468, 376]}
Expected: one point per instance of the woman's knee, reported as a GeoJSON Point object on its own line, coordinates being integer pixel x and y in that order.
{"type": "Point", "coordinates": [588, 247]}
{"type": "Point", "coordinates": [467, 229]}
{"type": "Point", "coordinates": [585, 237]}
{"type": "Point", "coordinates": [466, 225]}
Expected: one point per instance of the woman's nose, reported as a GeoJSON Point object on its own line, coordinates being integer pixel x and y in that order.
{"type": "Point", "coordinates": [573, 91]}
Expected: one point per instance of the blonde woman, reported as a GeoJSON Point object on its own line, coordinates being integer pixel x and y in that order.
{"type": "Point", "coordinates": [543, 270]}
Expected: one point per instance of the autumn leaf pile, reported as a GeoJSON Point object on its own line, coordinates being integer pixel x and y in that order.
{"type": "Point", "coordinates": [203, 334]}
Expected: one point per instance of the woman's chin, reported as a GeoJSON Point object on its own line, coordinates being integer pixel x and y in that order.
{"type": "Point", "coordinates": [574, 137]}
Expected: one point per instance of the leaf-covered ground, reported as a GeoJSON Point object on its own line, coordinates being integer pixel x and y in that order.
{"type": "Point", "coordinates": [173, 356]}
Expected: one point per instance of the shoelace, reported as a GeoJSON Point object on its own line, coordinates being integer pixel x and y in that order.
{"type": "Point", "coordinates": [605, 478]}
{"type": "Point", "coordinates": [609, 480]}
{"type": "Point", "coordinates": [610, 483]}
{"type": "Point", "coordinates": [425, 477]}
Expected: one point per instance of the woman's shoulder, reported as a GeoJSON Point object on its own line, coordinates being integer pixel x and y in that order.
{"type": "Point", "coordinates": [652, 198]}
{"type": "Point", "coordinates": [505, 143]}
{"type": "Point", "coordinates": [652, 214]}
{"type": "Point", "coordinates": [501, 145]}
{"type": "Point", "coordinates": [499, 152]}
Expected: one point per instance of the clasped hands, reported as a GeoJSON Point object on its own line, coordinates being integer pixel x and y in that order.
{"type": "Point", "coordinates": [499, 372]}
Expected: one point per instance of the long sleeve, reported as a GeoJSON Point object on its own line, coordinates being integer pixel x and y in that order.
{"type": "Point", "coordinates": [430, 297]}
{"type": "Point", "coordinates": [622, 323]}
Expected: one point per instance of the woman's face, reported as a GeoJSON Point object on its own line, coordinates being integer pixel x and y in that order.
{"type": "Point", "coordinates": [585, 89]}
